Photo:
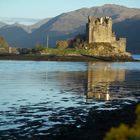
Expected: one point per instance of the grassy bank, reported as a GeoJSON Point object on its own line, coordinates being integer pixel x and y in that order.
{"type": "Point", "coordinates": [64, 52]}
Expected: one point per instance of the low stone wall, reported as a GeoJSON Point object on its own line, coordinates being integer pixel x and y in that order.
{"type": "Point", "coordinates": [120, 45]}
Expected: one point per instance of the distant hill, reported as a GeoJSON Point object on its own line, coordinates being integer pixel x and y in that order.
{"type": "Point", "coordinates": [27, 24]}
{"type": "Point", "coordinates": [38, 24]}
{"type": "Point", "coordinates": [2, 24]}
{"type": "Point", "coordinates": [24, 21]}
{"type": "Point", "coordinates": [67, 25]}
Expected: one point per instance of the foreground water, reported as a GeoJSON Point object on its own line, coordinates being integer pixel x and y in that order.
{"type": "Point", "coordinates": [37, 97]}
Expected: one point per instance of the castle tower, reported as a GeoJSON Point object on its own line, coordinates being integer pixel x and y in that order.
{"type": "Point", "coordinates": [100, 30]}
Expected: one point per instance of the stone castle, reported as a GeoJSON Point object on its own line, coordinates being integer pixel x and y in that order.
{"type": "Point", "coordinates": [99, 30]}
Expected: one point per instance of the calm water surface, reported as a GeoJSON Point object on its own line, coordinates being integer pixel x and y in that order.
{"type": "Point", "coordinates": [137, 57]}
{"type": "Point", "coordinates": [38, 96]}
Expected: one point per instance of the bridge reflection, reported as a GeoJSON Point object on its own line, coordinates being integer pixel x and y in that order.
{"type": "Point", "coordinates": [100, 79]}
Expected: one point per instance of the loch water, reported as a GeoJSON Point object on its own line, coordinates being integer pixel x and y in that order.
{"type": "Point", "coordinates": [136, 56]}
{"type": "Point", "coordinates": [35, 97]}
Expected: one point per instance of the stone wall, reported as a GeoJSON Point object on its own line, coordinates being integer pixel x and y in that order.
{"type": "Point", "coordinates": [120, 44]}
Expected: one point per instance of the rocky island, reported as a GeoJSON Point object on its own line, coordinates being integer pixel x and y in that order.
{"type": "Point", "coordinates": [98, 43]}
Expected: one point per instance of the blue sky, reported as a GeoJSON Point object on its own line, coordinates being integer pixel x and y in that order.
{"type": "Point", "coordinates": [50, 8]}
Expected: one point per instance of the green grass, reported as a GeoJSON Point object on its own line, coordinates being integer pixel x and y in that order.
{"type": "Point", "coordinates": [64, 52]}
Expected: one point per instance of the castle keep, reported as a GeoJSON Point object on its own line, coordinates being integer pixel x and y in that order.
{"type": "Point", "coordinates": [99, 30]}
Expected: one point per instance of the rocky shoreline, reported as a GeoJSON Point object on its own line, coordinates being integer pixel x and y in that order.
{"type": "Point", "coordinates": [97, 124]}
{"type": "Point", "coordinates": [80, 58]}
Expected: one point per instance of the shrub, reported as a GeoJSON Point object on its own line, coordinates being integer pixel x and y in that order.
{"type": "Point", "coordinates": [124, 132]}
{"type": "Point", "coordinates": [39, 48]}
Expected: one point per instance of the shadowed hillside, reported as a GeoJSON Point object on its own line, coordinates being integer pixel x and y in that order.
{"type": "Point", "coordinates": [130, 28]}
{"type": "Point", "coordinates": [15, 36]}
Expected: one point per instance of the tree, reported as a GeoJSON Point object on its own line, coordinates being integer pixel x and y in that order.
{"type": "Point", "coordinates": [38, 48]}
{"type": "Point", "coordinates": [79, 41]}
{"type": "Point", "coordinates": [3, 43]}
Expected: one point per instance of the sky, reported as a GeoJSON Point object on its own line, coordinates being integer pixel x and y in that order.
{"type": "Point", "coordinates": [40, 9]}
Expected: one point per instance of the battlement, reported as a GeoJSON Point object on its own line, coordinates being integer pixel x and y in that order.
{"type": "Point", "coordinates": [102, 20]}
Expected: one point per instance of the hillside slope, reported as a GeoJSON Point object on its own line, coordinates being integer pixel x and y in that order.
{"type": "Point", "coordinates": [67, 25]}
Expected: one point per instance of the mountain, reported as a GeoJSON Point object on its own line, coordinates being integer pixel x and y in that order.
{"type": "Point", "coordinates": [15, 36]}
{"type": "Point", "coordinates": [67, 25]}
{"type": "Point", "coordinates": [38, 24]}
{"type": "Point", "coordinates": [2, 24]}
{"type": "Point", "coordinates": [27, 28]}
{"type": "Point", "coordinates": [25, 21]}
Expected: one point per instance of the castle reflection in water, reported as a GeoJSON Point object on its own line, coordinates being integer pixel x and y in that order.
{"type": "Point", "coordinates": [101, 76]}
